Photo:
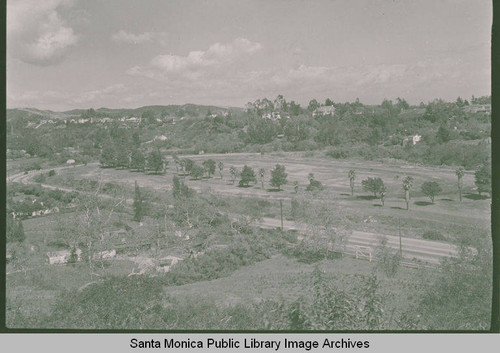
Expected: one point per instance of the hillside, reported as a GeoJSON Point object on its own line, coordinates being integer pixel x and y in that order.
{"type": "Point", "coordinates": [163, 110]}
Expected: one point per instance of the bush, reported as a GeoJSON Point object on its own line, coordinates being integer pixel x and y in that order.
{"type": "Point", "coordinates": [314, 185]}
{"type": "Point", "coordinates": [433, 235]}
{"type": "Point", "coordinates": [389, 260]}
{"type": "Point", "coordinates": [52, 173]}
{"type": "Point", "coordinates": [39, 178]}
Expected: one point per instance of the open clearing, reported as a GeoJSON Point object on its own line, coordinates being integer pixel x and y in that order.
{"type": "Point", "coordinates": [447, 214]}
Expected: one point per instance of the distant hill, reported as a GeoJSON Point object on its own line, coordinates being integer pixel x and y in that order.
{"type": "Point", "coordinates": [186, 109]}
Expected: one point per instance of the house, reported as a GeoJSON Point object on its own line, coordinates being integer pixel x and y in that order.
{"type": "Point", "coordinates": [106, 254]}
{"type": "Point", "coordinates": [274, 116]}
{"type": "Point", "coordinates": [166, 263]}
{"type": "Point", "coordinates": [62, 257]}
{"type": "Point", "coordinates": [70, 161]}
{"type": "Point", "coordinates": [414, 140]}
{"type": "Point", "coordinates": [161, 138]}
{"type": "Point", "coordinates": [478, 108]}
{"type": "Point", "coordinates": [322, 111]}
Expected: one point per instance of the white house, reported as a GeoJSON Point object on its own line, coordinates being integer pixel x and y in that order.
{"type": "Point", "coordinates": [322, 111]}
{"type": "Point", "coordinates": [161, 138]}
{"type": "Point", "coordinates": [106, 254]}
{"type": "Point", "coordinates": [62, 257]}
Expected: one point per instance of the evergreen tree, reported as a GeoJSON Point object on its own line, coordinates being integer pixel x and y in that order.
{"type": "Point", "coordinates": [137, 160]}
{"type": "Point", "coordinates": [431, 189]}
{"type": "Point", "coordinates": [483, 178]}
{"type": "Point", "coordinates": [247, 175]}
{"type": "Point", "coordinates": [278, 176]}
{"type": "Point", "coordinates": [209, 166]}
{"type": "Point", "coordinates": [155, 161]}
{"type": "Point", "coordinates": [108, 156]}
{"type": "Point", "coordinates": [14, 230]}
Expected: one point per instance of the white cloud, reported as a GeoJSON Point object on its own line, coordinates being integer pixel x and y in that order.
{"type": "Point", "coordinates": [61, 100]}
{"type": "Point", "coordinates": [197, 64]}
{"type": "Point", "coordinates": [36, 32]}
{"type": "Point", "coordinates": [123, 36]}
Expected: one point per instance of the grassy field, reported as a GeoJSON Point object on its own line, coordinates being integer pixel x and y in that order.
{"type": "Point", "coordinates": [447, 215]}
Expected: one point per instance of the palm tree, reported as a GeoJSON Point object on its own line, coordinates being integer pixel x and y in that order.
{"type": "Point", "coordinates": [460, 173]}
{"type": "Point", "coordinates": [352, 176]}
{"type": "Point", "coordinates": [262, 173]}
{"type": "Point", "coordinates": [407, 185]}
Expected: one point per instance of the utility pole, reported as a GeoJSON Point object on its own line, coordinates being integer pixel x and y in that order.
{"type": "Point", "coordinates": [400, 245]}
{"type": "Point", "coordinates": [281, 207]}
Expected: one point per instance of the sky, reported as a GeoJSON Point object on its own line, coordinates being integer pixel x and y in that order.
{"type": "Point", "coordinates": [68, 54]}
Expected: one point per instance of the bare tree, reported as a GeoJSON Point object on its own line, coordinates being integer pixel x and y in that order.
{"type": "Point", "coordinates": [460, 173]}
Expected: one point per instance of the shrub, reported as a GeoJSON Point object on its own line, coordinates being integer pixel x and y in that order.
{"type": "Point", "coordinates": [389, 260]}
{"type": "Point", "coordinates": [433, 235]}
{"type": "Point", "coordinates": [314, 185]}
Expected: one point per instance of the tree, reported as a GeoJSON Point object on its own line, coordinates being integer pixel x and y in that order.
{"type": "Point", "coordinates": [155, 161]}
{"type": "Point", "coordinates": [122, 158]}
{"type": "Point", "coordinates": [383, 192]}
{"type": "Point", "coordinates": [328, 102]}
{"type": "Point", "coordinates": [148, 117]}
{"type": "Point", "coordinates": [137, 160]}
{"type": "Point", "coordinates": [197, 171]}
{"type": "Point", "coordinates": [247, 175]}
{"type": "Point", "coordinates": [278, 176]}
{"type": "Point", "coordinates": [313, 105]}
{"type": "Point", "coordinates": [431, 189]}
{"type": "Point", "coordinates": [460, 173]}
{"type": "Point", "coordinates": [407, 186]}
{"type": "Point", "coordinates": [220, 165]}
{"type": "Point", "coordinates": [138, 204]}
{"type": "Point", "coordinates": [375, 185]}
{"type": "Point", "coordinates": [443, 134]}
{"type": "Point", "coordinates": [14, 230]}
{"type": "Point", "coordinates": [352, 175]}
{"type": "Point", "coordinates": [313, 184]}
{"type": "Point", "coordinates": [483, 178]}
{"type": "Point", "coordinates": [234, 173]}
{"type": "Point", "coordinates": [188, 164]}
{"type": "Point", "coordinates": [108, 156]}
{"type": "Point", "coordinates": [294, 108]}
{"type": "Point", "coordinates": [179, 190]}
{"type": "Point", "coordinates": [262, 173]}
{"type": "Point", "coordinates": [402, 104]}
{"type": "Point", "coordinates": [209, 166]}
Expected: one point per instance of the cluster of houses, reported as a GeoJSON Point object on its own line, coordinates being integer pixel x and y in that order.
{"type": "Point", "coordinates": [273, 116]}
{"type": "Point", "coordinates": [477, 108]}
{"type": "Point", "coordinates": [324, 111]}
{"type": "Point", "coordinates": [37, 213]}
{"type": "Point", "coordinates": [64, 256]}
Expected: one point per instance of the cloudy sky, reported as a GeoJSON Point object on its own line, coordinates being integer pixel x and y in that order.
{"type": "Point", "coordinates": [65, 54]}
